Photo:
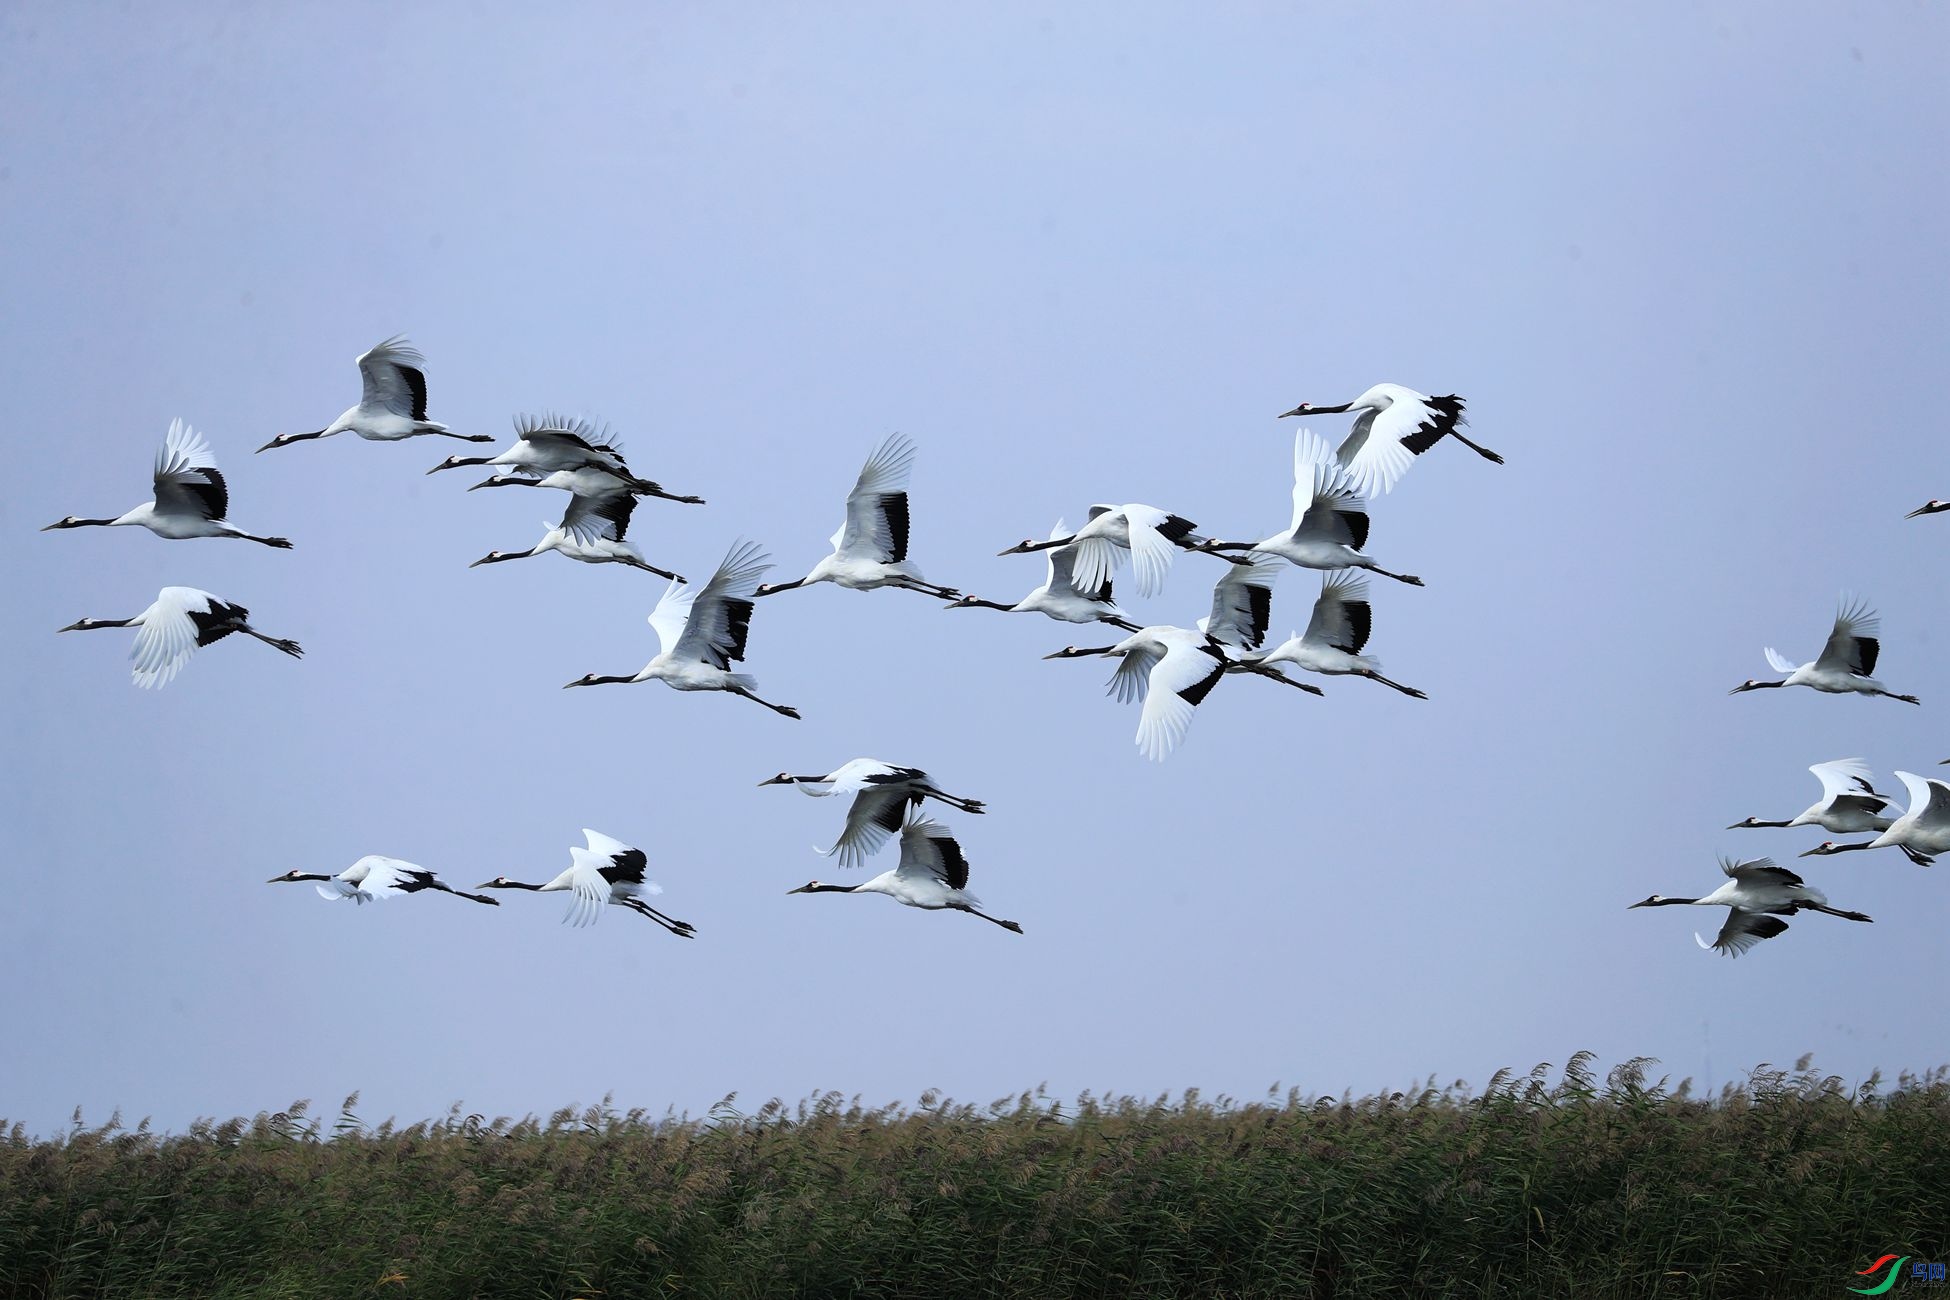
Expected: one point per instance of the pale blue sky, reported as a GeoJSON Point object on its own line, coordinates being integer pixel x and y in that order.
{"type": "Point", "coordinates": [1684, 262]}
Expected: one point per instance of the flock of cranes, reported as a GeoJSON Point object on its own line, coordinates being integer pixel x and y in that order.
{"type": "Point", "coordinates": [703, 631]}
{"type": "Point", "coordinates": [1759, 891]}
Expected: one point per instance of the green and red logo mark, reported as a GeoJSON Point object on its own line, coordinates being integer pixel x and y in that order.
{"type": "Point", "coordinates": [1923, 1273]}
{"type": "Point", "coordinates": [1887, 1282]}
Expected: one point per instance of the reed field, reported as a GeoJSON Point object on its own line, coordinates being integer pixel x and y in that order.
{"type": "Point", "coordinates": [1546, 1184]}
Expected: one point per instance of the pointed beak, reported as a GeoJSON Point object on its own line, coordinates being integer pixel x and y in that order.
{"type": "Point", "coordinates": [437, 468]}
{"type": "Point", "coordinates": [485, 559]}
{"type": "Point", "coordinates": [1812, 853]}
{"type": "Point", "coordinates": [803, 889]}
{"type": "Point", "coordinates": [273, 443]}
{"type": "Point", "coordinates": [1736, 826]}
{"type": "Point", "coordinates": [51, 527]}
{"type": "Point", "coordinates": [1298, 410]}
{"type": "Point", "coordinates": [274, 880]}
{"type": "Point", "coordinates": [770, 780]}
{"type": "Point", "coordinates": [1927, 508]}
{"type": "Point", "coordinates": [72, 627]}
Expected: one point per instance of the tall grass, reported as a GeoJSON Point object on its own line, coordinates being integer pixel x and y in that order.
{"type": "Point", "coordinates": [1781, 1186]}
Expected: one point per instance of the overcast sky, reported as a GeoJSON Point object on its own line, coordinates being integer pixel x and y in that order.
{"type": "Point", "coordinates": [1686, 265]}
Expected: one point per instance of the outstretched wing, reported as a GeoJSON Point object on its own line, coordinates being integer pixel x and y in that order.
{"type": "Point", "coordinates": [392, 378]}
{"type": "Point", "coordinates": [168, 635]}
{"type": "Point", "coordinates": [1742, 931]}
{"type": "Point", "coordinates": [1061, 578]}
{"type": "Point", "coordinates": [588, 888]}
{"type": "Point", "coordinates": [1342, 616]}
{"type": "Point", "coordinates": [590, 519]}
{"type": "Point", "coordinates": [570, 432]}
{"type": "Point", "coordinates": [1842, 776]}
{"type": "Point", "coordinates": [1177, 684]}
{"type": "Point", "coordinates": [187, 481]}
{"type": "Point", "coordinates": [870, 819]}
{"type": "Point", "coordinates": [1758, 871]}
{"type": "Point", "coordinates": [1852, 646]}
{"type": "Point", "coordinates": [876, 509]}
{"type": "Point", "coordinates": [1326, 506]}
{"type": "Point", "coordinates": [720, 614]}
{"type": "Point", "coordinates": [1149, 529]}
{"type": "Point", "coordinates": [1383, 444]}
{"type": "Point", "coordinates": [1931, 797]}
{"type": "Point", "coordinates": [930, 853]}
{"type": "Point", "coordinates": [1132, 678]}
{"type": "Point", "coordinates": [1092, 559]}
{"type": "Point", "coordinates": [621, 862]}
{"type": "Point", "coordinates": [1242, 602]}
{"type": "Point", "coordinates": [386, 877]}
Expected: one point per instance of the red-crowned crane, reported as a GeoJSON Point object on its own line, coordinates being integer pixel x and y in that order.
{"type": "Point", "coordinates": [191, 496]}
{"type": "Point", "coordinates": [1845, 663]}
{"type": "Point", "coordinates": [1760, 892]}
{"type": "Point", "coordinates": [870, 549]}
{"type": "Point", "coordinates": [608, 871]}
{"type": "Point", "coordinates": [392, 401]}
{"type": "Point", "coordinates": [932, 874]}
{"type": "Point", "coordinates": [1395, 426]}
{"type": "Point", "coordinates": [703, 631]}
{"type": "Point", "coordinates": [172, 629]}
{"type": "Point", "coordinates": [882, 794]}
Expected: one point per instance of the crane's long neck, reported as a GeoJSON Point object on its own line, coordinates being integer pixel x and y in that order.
{"type": "Point", "coordinates": [91, 624]}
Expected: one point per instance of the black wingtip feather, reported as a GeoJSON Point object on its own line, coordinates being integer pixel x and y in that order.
{"type": "Point", "coordinates": [893, 505]}
{"type": "Point", "coordinates": [954, 864]}
{"type": "Point", "coordinates": [738, 620]}
{"type": "Point", "coordinates": [418, 383]}
{"type": "Point", "coordinates": [1176, 527]}
{"type": "Point", "coordinates": [1197, 691]}
{"type": "Point", "coordinates": [1360, 617]}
